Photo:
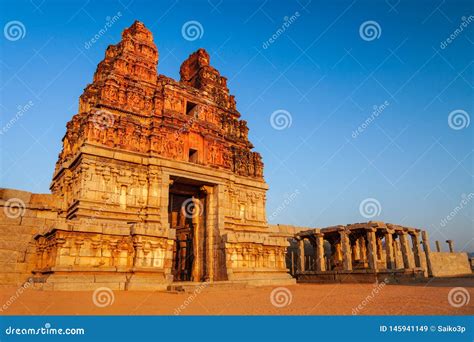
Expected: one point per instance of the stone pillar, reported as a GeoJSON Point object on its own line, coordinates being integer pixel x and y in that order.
{"type": "Point", "coordinates": [320, 264]}
{"type": "Point", "coordinates": [426, 247]}
{"type": "Point", "coordinates": [363, 250]}
{"type": "Point", "coordinates": [163, 192]}
{"type": "Point", "coordinates": [389, 253]}
{"type": "Point", "coordinates": [196, 272]}
{"type": "Point", "coordinates": [371, 246]}
{"type": "Point", "coordinates": [346, 250]}
{"type": "Point", "coordinates": [416, 249]}
{"type": "Point", "coordinates": [450, 245]}
{"type": "Point", "coordinates": [405, 251]}
{"type": "Point", "coordinates": [438, 247]}
{"type": "Point", "coordinates": [302, 258]}
{"type": "Point", "coordinates": [221, 272]}
{"type": "Point", "coordinates": [378, 240]}
{"type": "Point", "coordinates": [356, 249]}
{"type": "Point", "coordinates": [209, 231]}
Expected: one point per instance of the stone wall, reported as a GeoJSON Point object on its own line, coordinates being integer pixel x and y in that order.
{"type": "Point", "coordinates": [447, 264]}
{"type": "Point", "coordinates": [22, 215]}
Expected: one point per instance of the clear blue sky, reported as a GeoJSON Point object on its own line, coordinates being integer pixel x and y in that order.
{"type": "Point", "coordinates": [320, 70]}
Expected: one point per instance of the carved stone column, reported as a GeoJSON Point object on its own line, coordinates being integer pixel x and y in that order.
{"type": "Point", "coordinates": [320, 264]}
{"type": "Point", "coordinates": [363, 250]}
{"type": "Point", "coordinates": [197, 264]}
{"type": "Point", "coordinates": [371, 245]}
{"type": "Point", "coordinates": [209, 231]}
{"type": "Point", "coordinates": [301, 249]}
{"type": "Point", "coordinates": [450, 245]}
{"type": "Point", "coordinates": [356, 249]}
{"type": "Point", "coordinates": [416, 249]}
{"type": "Point", "coordinates": [378, 241]}
{"type": "Point", "coordinates": [426, 247]}
{"type": "Point", "coordinates": [164, 192]}
{"type": "Point", "coordinates": [389, 253]}
{"type": "Point", "coordinates": [405, 251]}
{"type": "Point", "coordinates": [438, 247]}
{"type": "Point", "coordinates": [346, 250]}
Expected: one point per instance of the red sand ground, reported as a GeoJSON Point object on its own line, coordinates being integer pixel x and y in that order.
{"type": "Point", "coordinates": [307, 299]}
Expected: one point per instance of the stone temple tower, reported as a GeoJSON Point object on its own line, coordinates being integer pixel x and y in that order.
{"type": "Point", "coordinates": [157, 182]}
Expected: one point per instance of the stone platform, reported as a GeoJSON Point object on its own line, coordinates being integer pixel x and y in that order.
{"type": "Point", "coordinates": [362, 276]}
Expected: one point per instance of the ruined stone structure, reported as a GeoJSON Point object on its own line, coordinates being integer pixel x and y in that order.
{"type": "Point", "coordinates": [372, 251]}
{"type": "Point", "coordinates": [157, 183]}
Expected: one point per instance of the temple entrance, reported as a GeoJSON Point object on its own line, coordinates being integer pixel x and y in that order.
{"type": "Point", "coordinates": [187, 215]}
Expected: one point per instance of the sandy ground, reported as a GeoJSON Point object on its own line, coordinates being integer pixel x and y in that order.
{"type": "Point", "coordinates": [306, 299]}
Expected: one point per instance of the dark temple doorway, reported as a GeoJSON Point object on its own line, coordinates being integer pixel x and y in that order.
{"type": "Point", "coordinates": [187, 215]}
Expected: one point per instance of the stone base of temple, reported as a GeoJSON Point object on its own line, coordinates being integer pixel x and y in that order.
{"type": "Point", "coordinates": [261, 276]}
{"type": "Point", "coordinates": [362, 276]}
{"type": "Point", "coordinates": [190, 286]}
{"type": "Point", "coordinates": [84, 281]}
{"type": "Point", "coordinates": [146, 281]}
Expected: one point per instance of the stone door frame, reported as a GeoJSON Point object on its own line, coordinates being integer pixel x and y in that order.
{"type": "Point", "coordinates": [204, 264]}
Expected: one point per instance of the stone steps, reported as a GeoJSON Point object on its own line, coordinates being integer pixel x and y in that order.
{"type": "Point", "coordinates": [188, 286]}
